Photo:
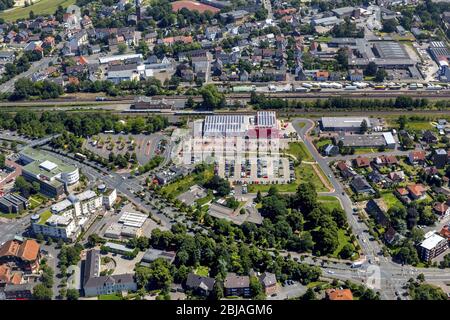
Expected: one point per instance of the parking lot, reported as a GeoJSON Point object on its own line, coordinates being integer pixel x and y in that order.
{"type": "Point", "coordinates": [269, 169]}
{"type": "Point", "coordinates": [145, 146]}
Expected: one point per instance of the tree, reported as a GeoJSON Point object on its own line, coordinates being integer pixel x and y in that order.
{"type": "Point", "coordinates": [41, 292]}
{"type": "Point", "coordinates": [212, 98]}
{"type": "Point", "coordinates": [380, 75]}
{"type": "Point", "coordinates": [72, 294]}
{"type": "Point", "coordinates": [389, 25]}
{"type": "Point", "coordinates": [256, 288]}
{"type": "Point", "coordinates": [309, 295]}
{"type": "Point", "coordinates": [371, 69]}
{"type": "Point", "coordinates": [121, 47]}
{"type": "Point", "coordinates": [22, 186]}
{"type": "Point", "coordinates": [347, 251]}
{"type": "Point", "coordinates": [306, 197]}
{"type": "Point", "coordinates": [364, 127]}
{"type": "Point", "coordinates": [425, 291]}
{"type": "Point", "coordinates": [2, 161]}
{"type": "Point", "coordinates": [217, 293]}
{"type": "Point", "coordinates": [190, 103]}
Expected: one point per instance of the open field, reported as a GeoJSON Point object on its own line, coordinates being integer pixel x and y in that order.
{"type": "Point", "coordinates": [330, 202]}
{"type": "Point", "coordinates": [391, 200]}
{"type": "Point", "coordinates": [178, 187]}
{"type": "Point", "coordinates": [42, 7]}
{"type": "Point", "coordinates": [299, 151]}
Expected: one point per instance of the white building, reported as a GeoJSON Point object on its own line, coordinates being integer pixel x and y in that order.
{"type": "Point", "coordinates": [432, 246]}
{"type": "Point", "coordinates": [66, 219]}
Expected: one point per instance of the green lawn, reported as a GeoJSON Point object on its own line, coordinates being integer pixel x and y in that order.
{"type": "Point", "coordinates": [178, 187]}
{"type": "Point", "coordinates": [391, 200]}
{"type": "Point", "coordinates": [316, 284]}
{"type": "Point", "coordinates": [365, 150]}
{"type": "Point", "coordinates": [330, 202]}
{"type": "Point", "coordinates": [343, 239]}
{"type": "Point", "coordinates": [202, 271]}
{"type": "Point", "coordinates": [322, 143]}
{"type": "Point", "coordinates": [36, 201]}
{"type": "Point", "coordinates": [205, 200]}
{"type": "Point", "coordinates": [42, 7]}
{"type": "Point", "coordinates": [299, 151]}
{"type": "Point", "coordinates": [112, 296]}
{"type": "Point", "coordinates": [44, 216]}
{"type": "Point", "coordinates": [303, 173]}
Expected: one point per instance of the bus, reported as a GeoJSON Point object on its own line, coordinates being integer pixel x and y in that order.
{"type": "Point", "coordinates": [80, 156]}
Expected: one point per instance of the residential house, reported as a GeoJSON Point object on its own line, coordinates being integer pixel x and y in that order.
{"type": "Point", "coordinates": [397, 176]}
{"type": "Point", "coordinates": [235, 285]}
{"type": "Point", "coordinates": [269, 283]}
{"type": "Point", "coordinates": [416, 157]}
{"type": "Point", "coordinates": [416, 191]}
{"type": "Point", "coordinates": [339, 294]}
{"type": "Point", "coordinates": [362, 162]}
{"type": "Point", "coordinates": [440, 158]}
{"type": "Point", "coordinates": [432, 246]}
{"type": "Point", "coordinates": [386, 160]}
{"type": "Point", "coordinates": [331, 150]}
{"type": "Point", "coordinates": [441, 209]}
{"type": "Point", "coordinates": [378, 209]}
{"type": "Point", "coordinates": [361, 186]}
{"type": "Point", "coordinates": [429, 137]}
{"type": "Point", "coordinates": [200, 285]}
{"type": "Point", "coordinates": [24, 253]}
{"type": "Point", "coordinates": [94, 284]}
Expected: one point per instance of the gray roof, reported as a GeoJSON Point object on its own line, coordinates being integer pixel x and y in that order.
{"type": "Point", "coordinates": [194, 281]}
{"type": "Point", "coordinates": [268, 279]}
{"type": "Point", "coordinates": [235, 281]}
{"type": "Point", "coordinates": [153, 254]}
{"type": "Point", "coordinates": [344, 122]}
{"type": "Point", "coordinates": [103, 280]}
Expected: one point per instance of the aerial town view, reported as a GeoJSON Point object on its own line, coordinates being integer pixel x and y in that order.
{"type": "Point", "coordinates": [225, 150]}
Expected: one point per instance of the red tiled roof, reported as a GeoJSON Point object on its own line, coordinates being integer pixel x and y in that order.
{"type": "Point", "coordinates": [440, 207]}
{"type": "Point", "coordinates": [445, 232]}
{"type": "Point", "coordinates": [29, 250]}
{"type": "Point", "coordinates": [417, 155]}
{"type": "Point", "coordinates": [402, 191]}
{"type": "Point", "coordinates": [362, 161]}
{"type": "Point", "coordinates": [416, 189]}
{"type": "Point", "coordinates": [339, 294]}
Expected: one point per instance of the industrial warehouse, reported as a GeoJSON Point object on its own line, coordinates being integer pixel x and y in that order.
{"type": "Point", "coordinates": [344, 123]}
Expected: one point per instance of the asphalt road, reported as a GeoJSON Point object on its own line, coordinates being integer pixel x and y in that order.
{"type": "Point", "coordinates": [389, 277]}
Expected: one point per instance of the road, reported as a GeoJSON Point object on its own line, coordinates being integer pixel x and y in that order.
{"type": "Point", "coordinates": [124, 184]}
{"type": "Point", "coordinates": [36, 66]}
{"type": "Point", "coordinates": [390, 276]}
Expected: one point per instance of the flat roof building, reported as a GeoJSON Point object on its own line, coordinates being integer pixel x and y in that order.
{"type": "Point", "coordinates": [344, 123]}
{"type": "Point", "coordinates": [432, 246]}
{"type": "Point", "coordinates": [52, 174]}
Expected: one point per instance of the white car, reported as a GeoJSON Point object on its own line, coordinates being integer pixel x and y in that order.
{"type": "Point", "coordinates": [330, 272]}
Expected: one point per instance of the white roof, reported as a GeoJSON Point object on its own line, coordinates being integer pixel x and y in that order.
{"type": "Point", "coordinates": [60, 206]}
{"type": "Point", "coordinates": [389, 138]}
{"type": "Point", "coordinates": [48, 165]}
{"type": "Point", "coordinates": [88, 194]}
{"type": "Point", "coordinates": [122, 57]}
{"type": "Point", "coordinates": [133, 219]}
{"type": "Point", "coordinates": [432, 241]}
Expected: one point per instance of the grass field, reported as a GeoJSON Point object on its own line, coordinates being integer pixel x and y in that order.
{"type": "Point", "coordinates": [323, 143]}
{"type": "Point", "coordinates": [112, 296]}
{"type": "Point", "coordinates": [303, 173]}
{"type": "Point", "coordinates": [330, 202]}
{"type": "Point", "coordinates": [202, 271]}
{"type": "Point", "coordinates": [343, 240]}
{"type": "Point", "coordinates": [365, 150]}
{"type": "Point", "coordinates": [391, 200]}
{"type": "Point", "coordinates": [42, 7]}
{"type": "Point", "coordinates": [178, 187]}
{"type": "Point", "coordinates": [299, 151]}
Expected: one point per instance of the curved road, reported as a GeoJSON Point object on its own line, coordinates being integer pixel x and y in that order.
{"type": "Point", "coordinates": [388, 276]}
